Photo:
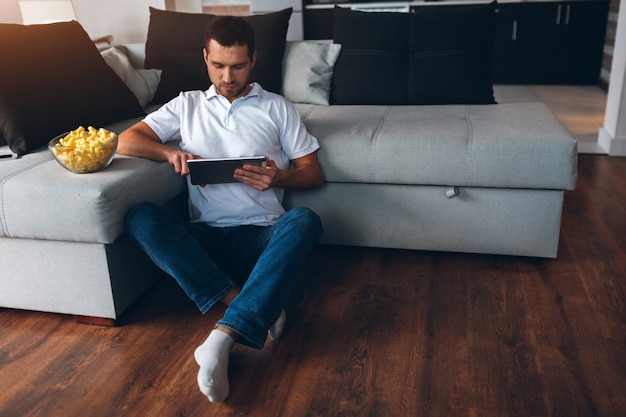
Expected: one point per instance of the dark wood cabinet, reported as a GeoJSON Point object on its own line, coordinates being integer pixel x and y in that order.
{"type": "Point", "coordinates": [583, 38]}
{"type": "Point", "coordinates": [507, 65]}
{"type": "Point", "coordinates": [550, 42]}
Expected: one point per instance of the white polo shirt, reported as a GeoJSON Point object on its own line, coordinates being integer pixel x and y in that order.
{"type": "Point", "coordinates": [208, 125]}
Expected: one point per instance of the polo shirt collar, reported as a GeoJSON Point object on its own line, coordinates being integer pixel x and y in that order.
{"type": "Point", "coordinates": [255, 92]}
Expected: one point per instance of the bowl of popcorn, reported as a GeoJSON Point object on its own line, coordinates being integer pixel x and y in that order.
{"type": "Point", "coordinates": [84, 150]}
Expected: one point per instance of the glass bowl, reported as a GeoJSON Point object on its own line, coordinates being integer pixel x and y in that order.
{"type": "Point", "coordinates": [83, 159]}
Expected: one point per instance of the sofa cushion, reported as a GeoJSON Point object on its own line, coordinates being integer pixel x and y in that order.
{"type": "Point", "coordinates": [79, 207]}
{"type": "Point", "coordinates": [175, 43]}
{"type": "Point", "coordinates": [517, 145]}
{"type": "Point", "coordinates": [434, 55]}
{"type": "Point", "coordinates": [56, 81]}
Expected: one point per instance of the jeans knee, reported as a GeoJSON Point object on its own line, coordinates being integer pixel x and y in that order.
{"type": "Point", "coordinates": [137, 215]}
{"type": "Point", "coordinates": [307, 218]}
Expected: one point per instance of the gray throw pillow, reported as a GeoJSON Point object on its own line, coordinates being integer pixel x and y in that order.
{"type": "Point", "coordinates": [308, 71]}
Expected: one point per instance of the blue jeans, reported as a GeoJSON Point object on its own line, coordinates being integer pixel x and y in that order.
{"type": "Point", "coordinates": [208, 262]}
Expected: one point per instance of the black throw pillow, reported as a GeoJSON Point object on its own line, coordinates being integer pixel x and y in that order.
{"type": "Point", "coordinates": [175, 43]}
{"type": "Point", "coordinates": [374, 61]}
{"type": "Point", "coordinates": [434, 55]}
{"type": "Point", "coordinates": [451, 54]}
{"type": "Point", "coordinates": [52, 80]}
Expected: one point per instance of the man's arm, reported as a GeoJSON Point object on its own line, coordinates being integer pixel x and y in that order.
{"type": "Point", "coordinates": [140, 140]}
{"type": "Point", "coordinates": [307, 173]}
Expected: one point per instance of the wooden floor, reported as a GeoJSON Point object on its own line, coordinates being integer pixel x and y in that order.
{"type": "Point", "coordinates": [579, 108]}
{"type": "Point", "coordinates": [371, 332]}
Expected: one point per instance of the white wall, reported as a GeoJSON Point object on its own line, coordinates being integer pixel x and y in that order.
{"type": "Point", "coordinates": [612, 136]}
{"type": "Point", "coordinates": [10, 12]}
{"type": "Point", "coordinates": [186, 6]}
{"type": "Point", "coordinates": [126, 20]}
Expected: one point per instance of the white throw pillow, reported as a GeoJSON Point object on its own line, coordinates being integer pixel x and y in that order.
{"type": "Point", "coordinates": [142, 82]}
{"type": "Point", "coordinates": [308, 71]}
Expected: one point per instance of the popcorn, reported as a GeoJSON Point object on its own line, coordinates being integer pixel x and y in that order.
{"type": "Point", "coordinates": [85, 150]}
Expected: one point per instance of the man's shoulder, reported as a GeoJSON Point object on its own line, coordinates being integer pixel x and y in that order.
{"type": "Point", "coordinates": [266, 95]}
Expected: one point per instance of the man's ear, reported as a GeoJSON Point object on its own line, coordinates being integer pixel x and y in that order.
{"type": "Point", "coordinates": [253, 60]}
{"type": "Point", "coordinates": [205, 54]}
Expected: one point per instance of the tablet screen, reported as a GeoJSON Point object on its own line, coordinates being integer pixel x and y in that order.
{"type": "Point", "coordinates": [219, 171]}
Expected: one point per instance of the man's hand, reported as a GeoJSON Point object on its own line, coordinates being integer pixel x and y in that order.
{"type": "Point", "coordinates": [306, 173]}
{"type": "Point", "coordinates": [178, 159]}
{"type": "Point", "coordinates": [258, 177]}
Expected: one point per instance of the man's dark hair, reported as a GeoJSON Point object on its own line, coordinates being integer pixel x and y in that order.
{"type": "Point", "coordinates": [229, 31]}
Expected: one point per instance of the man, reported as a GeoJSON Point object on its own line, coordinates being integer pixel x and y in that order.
{"type": "Point", "coordinates": [240, 247]}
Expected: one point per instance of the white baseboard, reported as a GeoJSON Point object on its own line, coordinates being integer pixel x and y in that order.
{"type": "Point", "coordinates": [613, 146]}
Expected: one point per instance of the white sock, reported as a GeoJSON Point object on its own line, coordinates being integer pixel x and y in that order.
{"type": "Point", "coordinates": [213, 356]}
{"type": "Point", "coordinates": [277, 328]}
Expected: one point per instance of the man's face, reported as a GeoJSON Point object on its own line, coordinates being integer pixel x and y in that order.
{"type": "Point", "coordinates": [229, 68]}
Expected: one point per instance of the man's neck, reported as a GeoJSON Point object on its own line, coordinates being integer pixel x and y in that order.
{"type": "Point", "coordinates": [243, 93]}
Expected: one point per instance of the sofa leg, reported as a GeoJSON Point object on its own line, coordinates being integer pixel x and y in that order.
{"type": "Point", "coordinates": [96, 321]}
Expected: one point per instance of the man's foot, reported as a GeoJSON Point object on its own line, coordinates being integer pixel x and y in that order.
{"type": "Point", "coordinates": [213, 356]}
{"type": "Point", "coordinates": [277, 328]}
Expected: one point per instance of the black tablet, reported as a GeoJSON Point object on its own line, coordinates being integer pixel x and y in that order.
{"type": "Point", "coordinates": [219, 171]}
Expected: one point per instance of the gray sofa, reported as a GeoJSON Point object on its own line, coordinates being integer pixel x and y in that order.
{"type": "Point", "coordinates": [465, 178]}
{"type": "Point", "coordinates": [462, 178]}
{"type": "Point", "coordinates": [62, 243]}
